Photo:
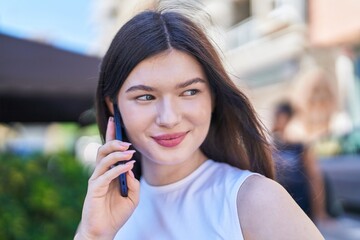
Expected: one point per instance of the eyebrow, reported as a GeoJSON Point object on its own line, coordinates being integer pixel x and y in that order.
{"type": "Point", "coordinates": [140, 87]}
{"type": "Point", "coordinates": [190, 82]}
{"type": "Point", "coordinates": [185, 84]}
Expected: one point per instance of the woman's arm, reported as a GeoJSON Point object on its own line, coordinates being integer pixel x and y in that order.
{"type": "Point", "coordinates": [267, 211]}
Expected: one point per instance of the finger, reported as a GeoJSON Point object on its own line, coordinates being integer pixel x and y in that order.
{"type": "Point", "coordinates": [111, 146]}
{"type": "Point", "coordinates": [111, 174]}
{"type": "Point", "coordinates": [110, 160]}
{"type": "Point", "coordinates": [132, 182]}
{"type": "Point", "coordinates": [110, 130]}
{"type": "Point", "coordinates": [131, 174]}
{"type": "Point", "coordinates": [133, 188]}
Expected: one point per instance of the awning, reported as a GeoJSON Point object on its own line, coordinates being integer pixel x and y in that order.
{"type": "Point", "coordinates": [41, 83]}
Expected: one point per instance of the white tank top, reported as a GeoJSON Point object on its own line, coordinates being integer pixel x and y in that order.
{"type": "Point", "coordinates": [200, 206]}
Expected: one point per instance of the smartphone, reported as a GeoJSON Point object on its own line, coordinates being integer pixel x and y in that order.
{"type": "Point", "coordinates": [118, 133]}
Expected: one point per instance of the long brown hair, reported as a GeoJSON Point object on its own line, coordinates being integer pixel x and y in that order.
{"type": "Point", "coordinates": [236, 136]}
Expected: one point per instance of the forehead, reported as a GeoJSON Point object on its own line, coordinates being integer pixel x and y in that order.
{"type": "Point", "coordinates": [168, 67]}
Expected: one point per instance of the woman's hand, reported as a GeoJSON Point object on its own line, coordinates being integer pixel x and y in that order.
{"type": "Point", "coordinates": [105, 210]}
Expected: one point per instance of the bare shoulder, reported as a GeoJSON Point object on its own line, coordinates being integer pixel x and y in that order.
{"type": "Point", "coordinates": [267, 211]}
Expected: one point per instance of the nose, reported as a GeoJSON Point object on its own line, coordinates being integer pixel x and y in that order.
{"type": "Point", "coordinates": [168, 113]}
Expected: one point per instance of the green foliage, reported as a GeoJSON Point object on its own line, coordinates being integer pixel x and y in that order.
{"type": "Point", "coordinates": [41, 196]}
{"type": "Point", "coordinates": [339, 145]}
{"type": "Point", "coordinates": [350, 143]}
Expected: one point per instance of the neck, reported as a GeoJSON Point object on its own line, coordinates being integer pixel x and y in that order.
{"type": "Point", "coordinates": [158, 174]}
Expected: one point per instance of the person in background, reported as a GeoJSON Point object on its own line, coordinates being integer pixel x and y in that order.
{"type": "Point", "coordinates": [198, 163]}
{"type": "Point", "coordinates": [296, 166]}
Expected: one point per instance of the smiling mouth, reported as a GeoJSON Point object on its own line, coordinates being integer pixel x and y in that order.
{"type": "Point", "coordinates": [170, 140]}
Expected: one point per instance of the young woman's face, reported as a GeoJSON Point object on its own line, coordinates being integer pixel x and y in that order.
{"type": "Point", "coordinates": [166, 108]}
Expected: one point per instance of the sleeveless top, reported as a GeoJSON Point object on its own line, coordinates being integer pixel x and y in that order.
{"type": "Point", "coordinates": [203, 205]}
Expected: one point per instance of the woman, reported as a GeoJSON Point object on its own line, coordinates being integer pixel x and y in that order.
{"type": "Point", "coordinates": [202, 158]}
{"type": "Point", "coordinates": [297, 169]}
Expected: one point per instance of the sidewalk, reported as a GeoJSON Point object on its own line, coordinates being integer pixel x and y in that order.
{"type": "Point", "coordinates": [346, 227]}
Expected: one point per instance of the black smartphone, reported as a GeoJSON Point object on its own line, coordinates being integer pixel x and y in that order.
{"type": "Point", "coordinates": [118, 132]}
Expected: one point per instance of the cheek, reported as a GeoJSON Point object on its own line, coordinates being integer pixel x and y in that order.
{"type": "Point", "coordinates": [200, 112]}
{"type": "Point", "coordinates": [135, 120]}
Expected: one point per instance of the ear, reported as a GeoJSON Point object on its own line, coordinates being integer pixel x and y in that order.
{"type": "Point", "coordinates": [109, 105]}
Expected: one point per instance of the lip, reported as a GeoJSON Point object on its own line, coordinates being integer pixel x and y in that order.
{"type": "Point", "coordinates": [170, 140]}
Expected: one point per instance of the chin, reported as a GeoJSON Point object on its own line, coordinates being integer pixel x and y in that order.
{"type": "Point", "coordinates": [165, 161]}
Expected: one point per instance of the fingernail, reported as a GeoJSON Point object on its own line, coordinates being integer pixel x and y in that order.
{"type": "Point", "coordinates": [130, 162]}
{"type": "Point", "coordinates": [130, 152]}
{"type": "Point", "coordinates": [126, 144]}
{"type": "Point", "coordinates": [111, 119]}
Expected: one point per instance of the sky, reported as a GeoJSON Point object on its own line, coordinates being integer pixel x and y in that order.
{"type": "Point", "coordinates": [66, 24]}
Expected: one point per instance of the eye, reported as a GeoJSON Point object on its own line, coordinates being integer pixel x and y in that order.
{"type": "Point", "coordinates": [145, 97]}
{"type": "Point", "coordinates": [190, 92]}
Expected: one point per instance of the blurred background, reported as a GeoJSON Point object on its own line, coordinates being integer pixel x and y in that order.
{"type": "Point", "coordinates": [306, 52]}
